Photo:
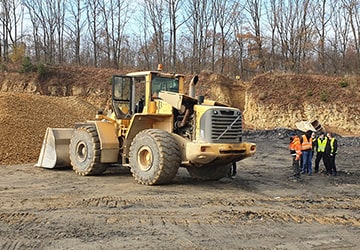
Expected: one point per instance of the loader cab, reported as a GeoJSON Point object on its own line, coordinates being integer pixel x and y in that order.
{"type": "Point", "coordinates": [134, 91]}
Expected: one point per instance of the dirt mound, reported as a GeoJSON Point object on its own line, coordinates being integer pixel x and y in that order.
{"type": "Point", "coordinates": [25, 117]}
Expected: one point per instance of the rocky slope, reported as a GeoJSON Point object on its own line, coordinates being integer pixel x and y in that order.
{"type": "Point", "coordinates": [91, 84]}
{"type": "Point", "coordinates": [280, 100]}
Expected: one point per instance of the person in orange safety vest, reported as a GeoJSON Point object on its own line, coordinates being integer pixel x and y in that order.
{"type": "Point", "coordinates": [306, 149]}
{"type": "Point", "coordinates": [295, 151]}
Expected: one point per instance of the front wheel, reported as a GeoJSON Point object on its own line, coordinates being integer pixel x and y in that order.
{"type": "Point", "coordinates": [209, 172]}
{"type": "Point", "coordinates": [85, 152]}
{"type": "Point", "coordinates": [154, 157]}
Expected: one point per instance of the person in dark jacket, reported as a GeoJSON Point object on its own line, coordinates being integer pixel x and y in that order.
{"type": "Point", "coordinates": [330, 152]}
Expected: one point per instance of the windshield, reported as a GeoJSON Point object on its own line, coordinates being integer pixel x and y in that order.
{"type": "Point", "coordinates": [166, 84]}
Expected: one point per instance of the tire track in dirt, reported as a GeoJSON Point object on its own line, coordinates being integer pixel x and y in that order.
{"type": "Point", "coordinates": [20, 222]}
{"type": "Point", "coordinates": [16, 218]}
{"type": "Point", "coordinates": [284, 209]}
{"type": "Point", "coordinates": [20, 244]}
{"type": "Point", "coordinates": [295, 209]}
{"type": "Point", "coordinates": [274, 216]}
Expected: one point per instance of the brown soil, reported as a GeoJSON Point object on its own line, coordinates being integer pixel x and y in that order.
{"type": "Point", "coordinates": [262, 208]}
{"type": "Point", "coordinates": [25, 117]}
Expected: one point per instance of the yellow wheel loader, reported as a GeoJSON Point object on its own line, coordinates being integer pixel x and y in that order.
{"type": "Point", "coordinates": [154, 129]}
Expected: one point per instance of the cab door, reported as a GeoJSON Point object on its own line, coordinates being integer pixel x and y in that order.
{"type": "Point", "coordinates": [122, 96]}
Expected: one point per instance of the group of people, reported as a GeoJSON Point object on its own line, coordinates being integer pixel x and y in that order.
{"type": "Point", "coordinates": [303, 148]}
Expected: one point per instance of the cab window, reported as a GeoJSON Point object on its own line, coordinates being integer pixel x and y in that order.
{"type": "Point", "coordinates": [165, 84]}
{"type": "Point", "coordinates": [121, 87]}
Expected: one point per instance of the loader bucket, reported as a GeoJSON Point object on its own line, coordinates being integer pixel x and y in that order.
{"type": "Point", "coordinates": [55, 148]}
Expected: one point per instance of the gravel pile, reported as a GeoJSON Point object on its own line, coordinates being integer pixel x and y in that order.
{"type": "Point", "coordinates": [25, 117]}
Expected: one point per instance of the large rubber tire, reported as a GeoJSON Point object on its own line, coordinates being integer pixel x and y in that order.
{"type": "Point", "coordinates": [209, 172]}
{"type": "Point", "coordinates": [154, 157]}
{"type": "Point", "coordinates": [85, 152]}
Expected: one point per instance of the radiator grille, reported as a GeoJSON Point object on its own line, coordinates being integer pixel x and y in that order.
{"type": "Point", "coordinates": [222, 125]}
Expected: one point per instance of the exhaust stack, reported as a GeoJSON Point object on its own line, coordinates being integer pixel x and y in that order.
{"type": "Point", "coordinates": [192, 84]}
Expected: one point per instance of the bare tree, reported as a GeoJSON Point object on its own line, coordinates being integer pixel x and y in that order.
{"type": "Point", "coordinates": [92, 8]}
{"type": "Point", "coordinates": [254, 8]}
{"type": "Point", "coordinates": [238, 30]}
{"type": "Point", "coordinates": [43, 18]}
{"type": "Point", "coordinates": [340, 23]}
{"type": "Point", "coordinates": [226, 13]}
{"type": "Point", "coordinates": [353, 10]}
{"type": "Point", "coordinates": [75, 26]}
{"type": "Point", "coordinates": [294, 32]}
{"type": "Point", "coordinates": [174, 9]}
{"type": "Point", "coordinates": [59, 13]}
{"type": "Point", "coordinates": [198, 25]}
{"type": "Point", "coordinates": [115, 14]}
{"type": "Point", "coordinates": [157, 17]}
{"type": "Point", "coordinates": [10, 16]}
{"type": "Point", "coordinates": [214, 24]}
{"type": "Point", "coordinates": [143, 58]}
{"type": "Point", "coordinates": [321, 17]}
{"type": "Point", "coordinates": [272, 17]}
{"type": "Point", "coordinates": [107, 14]}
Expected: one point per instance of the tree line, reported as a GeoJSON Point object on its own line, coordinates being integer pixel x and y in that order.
{"type": "Point", "coordinates": [243, 37]}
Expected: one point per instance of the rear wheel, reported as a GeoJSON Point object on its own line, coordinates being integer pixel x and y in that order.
{"type": "Point", "coordinates": [209, 172]}
{"type": "Point", "coordinates": [154, 157]}
{"type": "Point", "coordinates": [85, 152]}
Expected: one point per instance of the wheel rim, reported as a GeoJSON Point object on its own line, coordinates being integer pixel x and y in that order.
{"type": "Point", "coordinates": [145, 158]}
{"type": "Point", "coordinates": [81, 151]}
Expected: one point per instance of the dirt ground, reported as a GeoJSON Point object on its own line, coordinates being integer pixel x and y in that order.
{"type": "Point", "coordinates": [261, 208]}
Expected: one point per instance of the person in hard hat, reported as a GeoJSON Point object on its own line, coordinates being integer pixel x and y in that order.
{"type": "Point", "coordinates": [306, 150]}
{"type": "Point", "coordinates": [320, 144]}
{"type": "Point", "coordinates": [330, 152]}
{"type": "Point", "coordinates": [295, 151]}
